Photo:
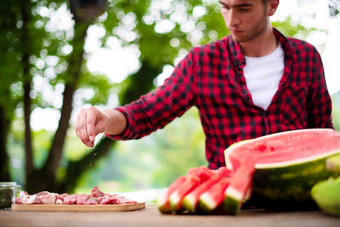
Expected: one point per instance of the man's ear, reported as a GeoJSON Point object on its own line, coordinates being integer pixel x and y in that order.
{"type": "Point", "coordinates": [272, 6]}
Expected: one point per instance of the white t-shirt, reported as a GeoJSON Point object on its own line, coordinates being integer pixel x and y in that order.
{"type": "Point", "coordinates": [263, 75]}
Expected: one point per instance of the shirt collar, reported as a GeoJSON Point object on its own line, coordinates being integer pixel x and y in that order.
{"type": "Point", "coordinates": [237, 56]}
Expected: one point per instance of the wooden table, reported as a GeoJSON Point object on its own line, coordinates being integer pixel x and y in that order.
{"type": "Point", "coordinates": [151, 217]}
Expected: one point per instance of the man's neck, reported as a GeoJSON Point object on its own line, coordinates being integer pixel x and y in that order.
{"type": "Point", "coordinates": [262, 45]}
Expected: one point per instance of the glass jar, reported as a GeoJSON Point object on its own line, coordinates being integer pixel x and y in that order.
{"type": "Point", "coordinates": [8, 192]}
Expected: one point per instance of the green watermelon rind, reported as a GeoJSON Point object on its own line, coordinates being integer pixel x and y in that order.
{"type": "Point", "coordinates": [162, 205]}
{"type": "Point", "coordinates": [231, 205]}
{"type": "Point", "coordinates": [206, 203]}
{"type": "Point", "coordinates": [189, 203]}
{"type": "Point", "coordinates": [174, 200]}
{"type": "Point", "coordinates": [232, 201]}
{"type": "Point", "coordinates": [333, 163]}
{"type": "Point", "coordinates": [291, 182]}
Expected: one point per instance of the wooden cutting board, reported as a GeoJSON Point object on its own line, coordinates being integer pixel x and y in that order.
{"type": "Point", "coordinates": [78, 208]}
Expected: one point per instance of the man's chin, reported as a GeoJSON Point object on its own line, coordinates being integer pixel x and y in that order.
{"type": "Point", "coordinates": [236, 38]}
{"type": "Point", "coordinates": [239, 39]}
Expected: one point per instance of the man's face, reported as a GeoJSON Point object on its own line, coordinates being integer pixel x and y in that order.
{"type": "Point", "coordinates": [246, 19]}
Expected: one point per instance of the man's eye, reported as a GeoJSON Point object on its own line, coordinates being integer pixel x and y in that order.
{"type": "Point", "coordinates": [242, 9]}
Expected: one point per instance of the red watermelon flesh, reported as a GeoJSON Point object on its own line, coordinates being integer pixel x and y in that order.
{"type": "Point", "coordinates": [202, 172]}
{"type": "Point", "coordinates": [163, 202]}
{"type": "Point", "coordinates": [286, 146]}
{"type": "Point", "coordinates": [191, 200]}
{"type": "Point", "coordinates": [308, 148]}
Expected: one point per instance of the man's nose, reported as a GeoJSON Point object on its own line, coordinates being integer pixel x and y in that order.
{"type": "Point", "coordinates": [233, 18]}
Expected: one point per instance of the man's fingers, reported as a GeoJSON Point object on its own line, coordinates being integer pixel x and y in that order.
{"type": "Point", "coordinates": [82, 127]}
{"type": "Point", "coordinates": [89, 123]}
{"type": "Point", "coordinates": [92, 118]}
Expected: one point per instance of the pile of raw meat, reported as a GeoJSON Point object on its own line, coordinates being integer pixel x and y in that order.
{"type": "Point", "coordinates": [96, 197]}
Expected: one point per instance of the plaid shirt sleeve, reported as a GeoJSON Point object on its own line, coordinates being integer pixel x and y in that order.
{"type": "Point", "coordinates": [156, 109]}
{"type": "Point", "coordinates": [319, 105]}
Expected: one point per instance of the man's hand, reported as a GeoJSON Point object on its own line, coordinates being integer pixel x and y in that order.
{"type": "Point", "coordinates": [92, 121]}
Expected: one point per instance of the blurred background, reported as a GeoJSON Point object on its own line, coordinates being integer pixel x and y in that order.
{"type": "Point", "coordinates": [60, 56]}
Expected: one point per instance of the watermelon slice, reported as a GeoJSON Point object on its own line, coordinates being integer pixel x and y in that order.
{"type": "Point", "coordinates": [214, 196]}
{"type": "Point", "coordinates": [191, 200]}
{"type": "Point", "coordinates": [177, 196]}
{"type": "Point", "coordinates": [202, 172]}
{"type": "Point", "coordinates": [163, 202]}
{"type": "Point", "coordinates": [239, 188]}
{"type": "Point", "coordinates": [194, 178]}
{"type": "Point", "coordinates": [287, 165]}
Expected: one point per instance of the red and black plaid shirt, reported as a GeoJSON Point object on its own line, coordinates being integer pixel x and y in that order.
{"type": "Point", "coordinates": [211, 78]}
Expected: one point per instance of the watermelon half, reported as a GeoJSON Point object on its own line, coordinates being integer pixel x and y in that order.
{"type": "Point", "coordinates": [287, 165]}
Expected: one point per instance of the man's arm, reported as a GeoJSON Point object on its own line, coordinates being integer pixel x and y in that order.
{"type": "Point", "coordinates": [320, 104]}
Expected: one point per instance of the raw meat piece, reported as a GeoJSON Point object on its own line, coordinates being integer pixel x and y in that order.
{"type": "Point", "coordinates": [93, 201]}
{"type": "Point", "coordinates": [42, 193]}
{"type": "Point", "coordinates": [48, 198]}
{"type": "Point", "coordinates": [70, 199]}
{"type": "Point", "coordinates": [82, 198]}
{"type": "Point", "coordinates": [29, 199]}
{"type": "Point", "coordinates": [124, 200]}
{"type": "Point", "coordinates": [109, 199]}
{"type": "Point", "coordinates": [21, 195]}
{"type": "Point", "coordinates": [96, 192]}
{"type": "Point", "coordinates": [60, 198]}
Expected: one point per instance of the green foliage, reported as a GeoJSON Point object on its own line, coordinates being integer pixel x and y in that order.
{"type": "Point", "coordinates": [41, 141]}
{"type": "Point", "coordinates": [17, 162]}
{"type": "Point", "coordinates": [289, 28]}
{"type": "Point", "coordinates": [99, 85]}
{"type": "Point", "coordinates": [336, 110]}
{"type": "Point", "coordinates": [9, 57]}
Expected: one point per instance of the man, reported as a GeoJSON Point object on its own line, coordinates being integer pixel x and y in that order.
{"type": "Point", "coordinates": [251, 83]}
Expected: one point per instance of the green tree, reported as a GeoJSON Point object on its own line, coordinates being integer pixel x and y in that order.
{"type": "Point", "coordinates": [8, 79]}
